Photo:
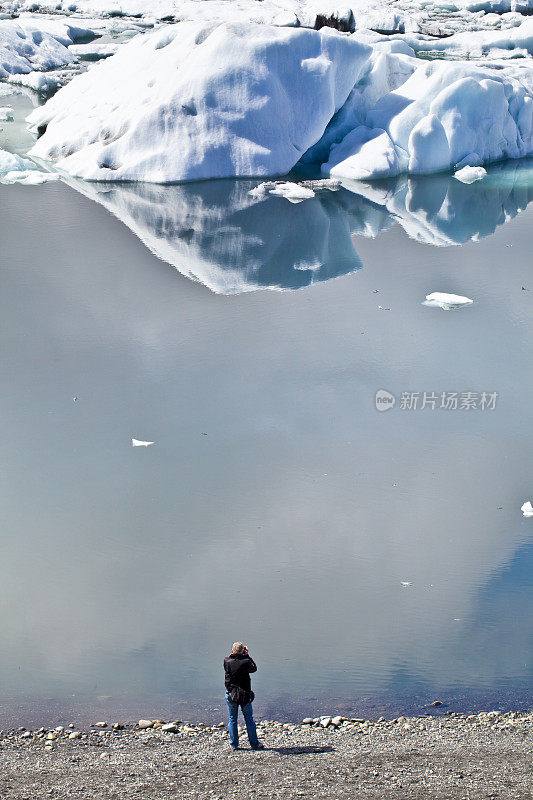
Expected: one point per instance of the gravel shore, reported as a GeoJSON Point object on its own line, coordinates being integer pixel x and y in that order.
{"type": "Point", "coordinates": [486, 755]}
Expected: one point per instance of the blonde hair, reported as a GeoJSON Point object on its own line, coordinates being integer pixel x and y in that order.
{"type": "Point", "coordinates": [237, 648]}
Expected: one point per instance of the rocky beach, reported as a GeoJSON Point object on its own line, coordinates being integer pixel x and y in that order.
{"type": "Point", "coordinates": [487, 755]}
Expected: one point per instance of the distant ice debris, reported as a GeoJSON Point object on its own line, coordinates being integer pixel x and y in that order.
{"type": "Point", "coordinates": [138, 443]}
{"type": "Point", "coordinates": [295, 192]}
{"type": "Point", "coordinates": [446, 301]}
{"type": "Point", "coordinates": [25, 50]}
{"type": "Point", "coordinates": [94, 50]}
{"type": "Point", "coordinates": [29, 177]}
{"type": "Point", "coordinates": [6, 114]}
{"type": "Point", "coordinates": [405, 584]}
{"type": "Point", "coordinates": [527, 509]}
{"type": "Point", "coordinates": [15, 169]}
{"type": "Point", "coordinates": [470, 174]}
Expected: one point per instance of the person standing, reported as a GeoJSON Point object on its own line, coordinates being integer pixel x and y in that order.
{"type": "Point", "coordinates": [237, 668]}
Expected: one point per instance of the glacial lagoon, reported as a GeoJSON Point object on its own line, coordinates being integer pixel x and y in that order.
{"type": "Point", "coordinates": [381, 558]}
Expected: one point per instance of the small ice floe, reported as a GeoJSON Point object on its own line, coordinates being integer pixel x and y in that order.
{"type": "Point", "coordinates": [29, 177]}
{"type": "Point", "coordinates": [293, 192]}
{"type": "Point", "coordinates": [6, 114]}
{"type": "Point", "coordinates": [470, 174]}
{"type": "Point", "coordinates": [446, 301]}
{"type": "Point", "coordinates": [405, 584]}
{"type": "Point", "coordinates": [138, 443]}
{"type": "Point", "coordinates": [527, 509]}
{"type": "Point", "coordinates": [15, 169]}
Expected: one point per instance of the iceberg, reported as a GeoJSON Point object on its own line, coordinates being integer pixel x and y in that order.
{"type": "Point", "coordinates": [28, 50]}
{"type": "Point", "coordinates": [194, 101]}
{"type": "Point", "coordinates": [444, 114]}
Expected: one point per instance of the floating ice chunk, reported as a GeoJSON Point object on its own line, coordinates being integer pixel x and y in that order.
{"type": "Point", "coordinates": [527, 509]}
{"type": "Point", "coordinates": [39, 81]}
{"type": "Point", "coordinates": [138, 443]}
{"type": "Point", "coordinates": [94, 51]}
{"type": "Point", "coordinates": [293, 192]}
{"type": "Point", "coordinates": [405, 584]}
{"type": "Point", "coordinates": [470, 174]}
{"type": "Point", "coordinates": [6, 114]}
{"type": "Point", "coordinates": [11, 163]}
{"type": "Point", "coordinates": [446, 301]}
{"type": "Point", "coordinates": [29, 177]}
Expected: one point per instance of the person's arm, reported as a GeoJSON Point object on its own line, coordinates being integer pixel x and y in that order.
{"type": "Point", "coordinates": [252, 666]}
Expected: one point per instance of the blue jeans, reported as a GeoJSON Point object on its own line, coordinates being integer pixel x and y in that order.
{"type": "Point", "coordinates": [249, 720]}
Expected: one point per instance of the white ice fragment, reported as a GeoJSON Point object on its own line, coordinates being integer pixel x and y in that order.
{"type": "Point", "coordinates": [138, 443]}
{"type": "Point", "coordinates": [470, 174]}
{"type": "Point", "coordinates": [262, 189]}
{"type": "Point", "coordinates": [446, 301]}
{"type": "Point", "coordinates": [29, 177]}
{"type": "Point", "coordinates": [293, 192]}
{"type": "Point", "coordinates": [406, 583]}
{"type": "Point", "coordinates": [11, 163]}
{"type": "Point", "coordinates": [6, 114]}
{"type": "Point", "coordinates": [527, 509]}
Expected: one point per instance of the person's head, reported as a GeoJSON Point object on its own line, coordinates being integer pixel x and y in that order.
{"type": "Point", "coordinates": [237, 648]}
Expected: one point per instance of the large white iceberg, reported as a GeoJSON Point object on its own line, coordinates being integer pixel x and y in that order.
{"type": "Point", "coordinates": [192, 102]}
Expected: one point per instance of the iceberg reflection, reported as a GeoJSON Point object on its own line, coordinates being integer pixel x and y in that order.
{"type": "Point", "coordinates": [216, 233]}
{"type": "Point", "coordinates": [441, 211]}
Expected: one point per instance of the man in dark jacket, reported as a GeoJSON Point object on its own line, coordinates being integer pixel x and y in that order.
{"type": "Point", "coordinates": [237, 668]}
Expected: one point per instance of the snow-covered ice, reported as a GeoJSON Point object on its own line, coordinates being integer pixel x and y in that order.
{"type": "Point", "coordinates": [192, 102]}
{"type": "Point", "coordinates": [527, 509]}
{"type": "Point", "coordinates": [25, 50]}
{"type": "Point", "coordinates": [29, 177]}
{"type": "Point", "coordinates": [95, 50]}
{"type": "Point", "coordinates": [15, 169]}
{"type": "Point", "coordinates": [139, 443]}
{"type": "Point", "coordinates": [9, 162]}
{"type": "Point", "coordinates": [444, 114]}
{"type": "Point", "coordinates": [446, 301]}
{"type": "Point", "coordinates": [470, 174]}
{"type": "Point", "coordinates": [6, 114]}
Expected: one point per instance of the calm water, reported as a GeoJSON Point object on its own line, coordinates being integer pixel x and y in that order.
{"type": "Point", "coordinates": [277, 506]}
